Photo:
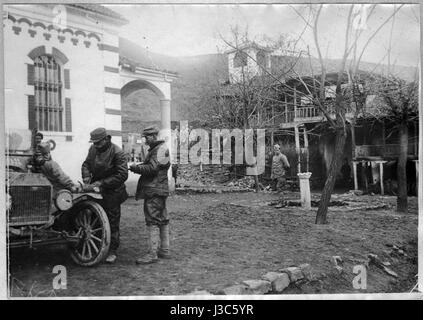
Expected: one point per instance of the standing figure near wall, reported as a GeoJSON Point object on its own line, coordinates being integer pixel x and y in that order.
{"type": "Point", "coordinates": [105, 170]}
{"type": "Point", "coordinates": [279, 165]}
{"type": "Point", "coordinates": [153, 187]}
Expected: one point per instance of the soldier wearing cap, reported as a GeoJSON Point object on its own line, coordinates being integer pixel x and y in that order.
{"type": "Point", "coordinates": [279, 166]}
{"type": "Point", "coordinates": [153, 187]}
{"type": "Point", "coordinates": [105, 170]}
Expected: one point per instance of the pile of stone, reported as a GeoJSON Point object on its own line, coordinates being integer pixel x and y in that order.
{"type": "Point", "coordinates": [245, 182]}
{"type": "Point", "coordinates": [270, 283]}
{"type": "Point", "coordinates": [209, 189]}
{"type": "Point", "coordinates": [206, 175]}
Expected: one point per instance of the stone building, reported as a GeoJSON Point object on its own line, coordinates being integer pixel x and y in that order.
{"type": "Point", "coordinates": [64, 76]}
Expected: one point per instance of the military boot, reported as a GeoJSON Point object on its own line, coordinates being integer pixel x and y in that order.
{"type": "Point", "coordinates": [152, 244]}
{"type": "Point", "coordinates": [163, 251]}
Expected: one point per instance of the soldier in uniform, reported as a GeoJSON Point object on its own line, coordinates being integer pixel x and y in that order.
{"type": "Point", "coordinates": [279, 164]}
{"type": "Point", "coordinates": [153, 187]}
{"type": "Point", "coordinates": [105, 170]}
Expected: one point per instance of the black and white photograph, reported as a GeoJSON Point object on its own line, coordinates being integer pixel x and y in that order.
{"type": "Point", "coordinates": [178, 150]}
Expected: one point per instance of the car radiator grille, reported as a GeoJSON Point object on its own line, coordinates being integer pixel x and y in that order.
{"type": "Point", "coordinates": [30, 205]}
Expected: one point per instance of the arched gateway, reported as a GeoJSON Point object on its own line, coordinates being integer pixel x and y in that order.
{"type": "Point", "coordinates": [138, 78]}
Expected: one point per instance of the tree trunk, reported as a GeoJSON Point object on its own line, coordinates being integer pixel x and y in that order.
{"type": "Point", "coordinates": [331, 177]}
{"type": "Point", "coordinates": [256, 181]}
{"type": "Point", "coordinates": [402, 204]}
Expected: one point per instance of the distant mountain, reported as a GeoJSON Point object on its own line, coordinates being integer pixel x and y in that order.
{"type": "Point", "coordinates": [307, 66]}
{"type": "Point", "coordinates": [195, 75]}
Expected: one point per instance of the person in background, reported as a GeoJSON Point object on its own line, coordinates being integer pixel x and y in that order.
{"type": "Point", "coordinates": [153, 187]}
{"type": "Point", "coordinates": [279, 165]}
{"type": "Point", "coordinates": [105, 170]}
{"type": "Point", "coordinates": [38, 138]}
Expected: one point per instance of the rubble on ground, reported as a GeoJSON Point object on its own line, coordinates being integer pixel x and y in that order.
{"type": "Point", "coordinates": [272, 282]}
{"type": "Point", "coordinates": [374, 259]}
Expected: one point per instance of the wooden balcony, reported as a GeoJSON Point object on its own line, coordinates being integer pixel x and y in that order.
{"type": "Point", "coordinates": [387, 151]}
{"type": "Point", "coordinates": [291, 118]}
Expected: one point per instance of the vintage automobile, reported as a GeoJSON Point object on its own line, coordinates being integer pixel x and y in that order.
{"type": "Point", "coordinates": [38, 216]}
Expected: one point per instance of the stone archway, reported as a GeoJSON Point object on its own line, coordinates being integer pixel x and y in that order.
{"type": "Point", "coordinates": [160, 84]}
{"type": "Point", "coordinates": [157, 82]}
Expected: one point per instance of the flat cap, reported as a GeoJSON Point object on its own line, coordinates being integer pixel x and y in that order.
{"type": "Point", "coordinates": [98, 134]}
{"type": "Point", "coordinates": [150, 131]}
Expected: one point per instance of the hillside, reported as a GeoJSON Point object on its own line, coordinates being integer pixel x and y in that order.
{"type": "Point", "coordinates": [194, 76]}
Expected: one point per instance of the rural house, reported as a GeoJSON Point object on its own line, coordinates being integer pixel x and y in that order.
{"type": "Point", "coordinates": [292, 120]}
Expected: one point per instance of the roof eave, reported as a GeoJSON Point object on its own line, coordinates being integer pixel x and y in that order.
{"type": "Point", "coordinates": [168, 75]}
{"type": "Point", "coordinates": [117, 21]}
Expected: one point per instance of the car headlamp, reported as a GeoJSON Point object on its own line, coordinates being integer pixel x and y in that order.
{"type": "Point", "coordinates": [64, 200]}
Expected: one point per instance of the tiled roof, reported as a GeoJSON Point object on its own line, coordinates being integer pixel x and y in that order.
{"type": "Point", "coordinates": [99, 9]}
{"type": "Point", "coordinates": [248, 45]}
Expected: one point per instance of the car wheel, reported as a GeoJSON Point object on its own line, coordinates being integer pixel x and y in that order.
{"type": "Point", "coordinates": [92, 226]}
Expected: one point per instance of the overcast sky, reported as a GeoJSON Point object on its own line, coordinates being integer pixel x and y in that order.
{"type": "Point", "coordinates": [182, 30]}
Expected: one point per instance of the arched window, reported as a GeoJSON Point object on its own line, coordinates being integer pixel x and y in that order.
{"type": "Point", "coordinates": [240, 59]}
{"type": "Point", "coordinates": [48, 94]}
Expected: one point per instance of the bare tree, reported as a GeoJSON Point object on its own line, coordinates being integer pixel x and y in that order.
{"type": "Point", "coordinates": [397, 102]}
{"type": "Point", "coordinates": [335, 114]}
{"type": "Point", "coordinates": [347, 85]}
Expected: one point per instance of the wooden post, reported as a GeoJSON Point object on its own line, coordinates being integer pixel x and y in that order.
{"type": "Point", "coordinates": [383, 137]}
{"type": "Point", "coordinates": [306, 149]}
{"type": "Point", "coordinates": [417, 177]}
{"type": "Point", "coordinates": [286, 110]}
{"type": "Point", "coordinates": [364, 176]}
{"type": "Point", "coordinates": [354, 163]}
{"type": "Point", "coordinates": [295, 102]}
{"type": "Point", "coordinates": [382, 189]}
{"type": "Point", "coordinates": [416, 141]}
{"type": "Point", "coordinates": [353, 139]}
{"type": "Point", "coordinates": [297, 148]}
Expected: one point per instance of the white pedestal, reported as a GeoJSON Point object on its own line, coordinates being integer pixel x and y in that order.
{"type": "Point", "coordinates": [305, 189]}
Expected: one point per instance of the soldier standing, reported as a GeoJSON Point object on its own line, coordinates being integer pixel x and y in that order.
{"type": "Point", "coordinates": [153, 187]}
{"type": "Point", "coordinates": [105, 170]}
{"type": "Point", "coordinates": [279, 164]}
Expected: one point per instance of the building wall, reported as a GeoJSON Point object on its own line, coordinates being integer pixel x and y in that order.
{"type": "Point", "coordinates": [251, 69]}
{"type": "Point", "coordinates": [94, 77]}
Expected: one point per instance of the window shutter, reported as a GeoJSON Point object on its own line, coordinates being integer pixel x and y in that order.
{"type": "Point", "coordinates": [30, 74]}
{"type": "Point", "coordinates": [68, 115]}
{"type": "Point", "coordinates": [67, 79]}
{"type": "Point", "coordinates": [32, 124]}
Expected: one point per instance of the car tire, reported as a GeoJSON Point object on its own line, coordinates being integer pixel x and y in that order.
{"type": "Point", "coordinates": [90, 221]}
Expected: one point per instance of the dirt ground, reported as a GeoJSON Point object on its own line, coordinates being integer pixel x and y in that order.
{"type": "Point", "coordinates": [222, 239]}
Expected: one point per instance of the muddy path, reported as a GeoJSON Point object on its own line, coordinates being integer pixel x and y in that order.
{"type": "Point", "coordinates": [220, 239]}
